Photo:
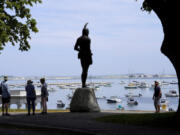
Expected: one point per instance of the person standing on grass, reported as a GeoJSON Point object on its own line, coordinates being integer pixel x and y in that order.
{"type": "Point", "coordinates": [5, 96]}
{"type": "Point", "coordinates": [30, 96]}
{"type": "Point", "coordinates": [157, 96]}
{"type": "Point", "coordinates": [44, 95]}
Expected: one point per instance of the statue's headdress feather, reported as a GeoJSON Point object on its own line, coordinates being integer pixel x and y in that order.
{"type": "Point", "coordinates": [85, 25]}
{"type": "Point", "coordinates": [85, 30]}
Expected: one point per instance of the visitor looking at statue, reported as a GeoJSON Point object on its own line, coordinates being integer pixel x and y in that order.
{"type": "Point", "coordinates": [30, 96]}
{"type": "Point", "coordinates": [44, 95]}
{"type": "Point", "coordinates": [5, 96]}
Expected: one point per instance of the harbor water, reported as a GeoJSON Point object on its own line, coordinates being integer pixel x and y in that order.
{"type": "Point", "coordinates": [111, 87]}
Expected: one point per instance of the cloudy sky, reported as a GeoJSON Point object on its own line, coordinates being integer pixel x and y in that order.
{"type": "Point", "coordinates": [124, 40]}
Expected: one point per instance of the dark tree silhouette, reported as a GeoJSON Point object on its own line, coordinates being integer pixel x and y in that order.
{"type": "Point", "coordinates": [167, 11]}
{"type": "Point", "coordinates": [16, 23]}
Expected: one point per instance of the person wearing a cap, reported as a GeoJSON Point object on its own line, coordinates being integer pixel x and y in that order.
{"type": "Point", "coordinates": [5, 96]}
{"type": "Point", "coordinates": [30, 96]}
{"type": "Point", "coordinates": [83, 47]}
{"type": "Point", "coordinates": [156, 96]}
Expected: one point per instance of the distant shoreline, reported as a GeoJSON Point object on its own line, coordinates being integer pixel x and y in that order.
{"type": "Point", "coordinates": [132, 76]}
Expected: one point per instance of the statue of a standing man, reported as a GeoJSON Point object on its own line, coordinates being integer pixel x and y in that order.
{"type": "Point", "coordinates": [83, 47]}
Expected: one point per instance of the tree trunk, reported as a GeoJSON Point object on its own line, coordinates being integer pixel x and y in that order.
{"type": "Point", "coordinates": [166, 11]}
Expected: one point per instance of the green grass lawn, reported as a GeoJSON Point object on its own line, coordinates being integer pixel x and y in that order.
{"type": "Point", "coordinates": [38, 110]}
{"type": "Point", "coordinates": [164, 120]}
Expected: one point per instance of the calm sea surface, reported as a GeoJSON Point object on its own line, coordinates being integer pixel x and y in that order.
{"type": "Point", "coordinates": [116, 89]}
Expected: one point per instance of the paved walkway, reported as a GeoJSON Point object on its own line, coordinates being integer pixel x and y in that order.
{"type": "Point", "coordinates": [71, 123]}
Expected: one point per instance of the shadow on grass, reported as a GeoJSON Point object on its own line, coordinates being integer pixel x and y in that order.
{"type": "Point", "coordinates": [163, 120]}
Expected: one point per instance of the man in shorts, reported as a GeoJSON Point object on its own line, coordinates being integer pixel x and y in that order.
{"type": "Point", "coordinates": [5, 96]}
{"type": "Point", "coordinates": [156, 96]}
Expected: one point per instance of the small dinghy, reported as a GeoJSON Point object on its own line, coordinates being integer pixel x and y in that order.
{"type": "Point", "coordinates": [60, 104]}
{"type": "Point", "coordinates": [164, 101]}
{"type": "Point", "coordinates": [132, 101]}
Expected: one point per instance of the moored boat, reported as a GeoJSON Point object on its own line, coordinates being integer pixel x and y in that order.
{"type": "Point", "coordinates": [122, 82]}
{"type": "Point", "coordinates": [174, 82]}
{"type": "Point", "coordinates": [114, 99]}
{"type": "Point", "coordinates": [171, 93]}
{"type": "Point", "coordinates": [165, 83]}
{"type": "Point", "coordinates": [100, 97]}
{"type": "Point", "coordinates": [130, 94]}
{"type": "Point", "coordinates": [164, 103]}
{"type": "Point", "coordinates": [132, 101]}
{"type": "Point", "coordinates": [143, 85]}
{"type": "Point", "coordinates": [60, 104]}
{"type": "Point", "coordinates": [131, 86]}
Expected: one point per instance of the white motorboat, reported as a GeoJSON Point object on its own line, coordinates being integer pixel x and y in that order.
{"type": "Point", "coordinates": [122, 82]}
{"type": "Point", "coordinates": [130, 94]}
{"type": "Point", "coordinates": [136, 83]}
{"type": "Point", "coordinates": [60, 104]}
{"type": "Point", "coordinates": [114, 99]}
{"type": "Point", "coordinates": [165, 83]}
{"type": "Point", "coordinates": [171, 93]}
{"type": "Point", "coordinates": [132, 101]}
{"type": "Point", "coordinates": [143, 85]}
{"type": "Point", "coordinates": [63, 87]}
{"type": "Point", "coordinates": [174, 82]}
{"type": "Point", "coordinates": [100, 97]}
{"type": "Point", "coordinates": [131, 86]}
{"type": "Point", "coordinates": [107, 85]}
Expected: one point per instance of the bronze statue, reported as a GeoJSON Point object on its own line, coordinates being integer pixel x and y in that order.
{"type": "Point", "coordinates": [83, 47]}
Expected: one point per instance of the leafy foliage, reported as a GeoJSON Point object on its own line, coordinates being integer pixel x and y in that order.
{"type": "Point", "coordinates": [146, 6]}
{"type": "Point", "coordinates": [16, 23]}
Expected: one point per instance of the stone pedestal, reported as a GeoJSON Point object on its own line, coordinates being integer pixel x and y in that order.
{"type": "Point", "coordinates": [84, 100]}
